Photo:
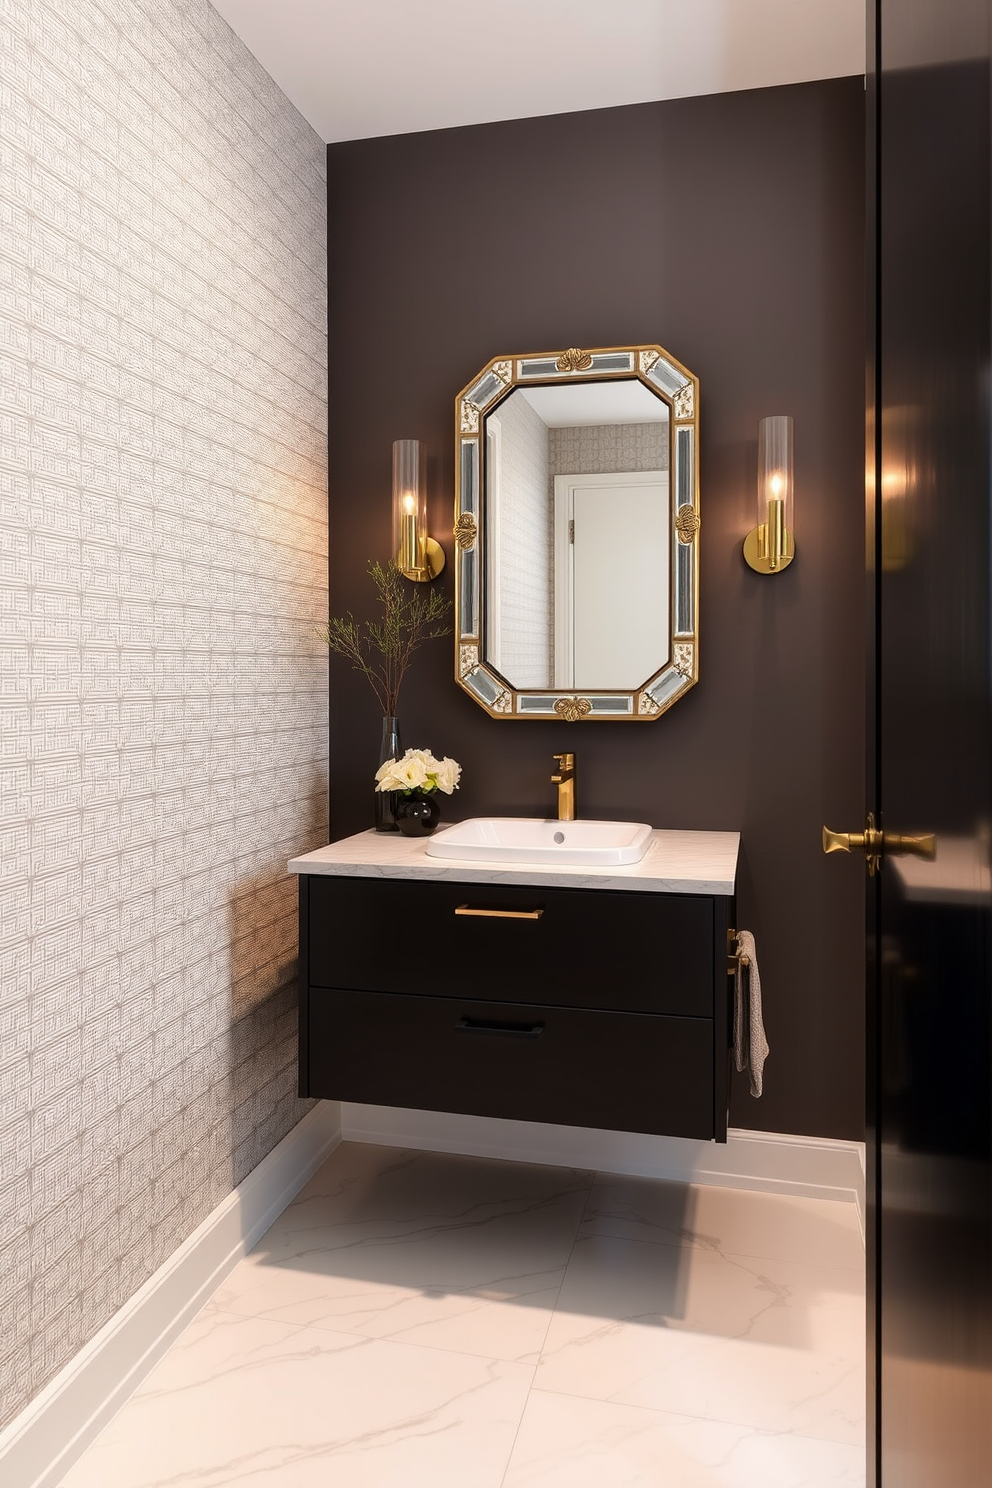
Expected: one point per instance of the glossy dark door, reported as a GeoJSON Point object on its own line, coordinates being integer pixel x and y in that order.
{"type": "Point", "coordinates": [930, 1174]}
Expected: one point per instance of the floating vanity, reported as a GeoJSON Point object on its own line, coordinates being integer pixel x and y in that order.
{"type": "Point", "coordinates": [584, 996]}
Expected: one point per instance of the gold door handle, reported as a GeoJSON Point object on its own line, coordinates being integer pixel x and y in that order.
{"type": "Point", "coordinates": [923, 846]}
{"type": "Point", "coordinates": [875, 843]}
{"type": "Point", "coordinates": [870, 841]}
{"type": "Point", "coordinates": [845, 841]}
{"type": "Point", "coordinates": [500, 914]}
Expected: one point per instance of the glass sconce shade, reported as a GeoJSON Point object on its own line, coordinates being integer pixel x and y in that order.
{"type": "Point", "coordinates": [409, 505]}
{"type": "Point", "coordinates": [770, 547]}
{"type": "Point", "coordinates": [418, 556]}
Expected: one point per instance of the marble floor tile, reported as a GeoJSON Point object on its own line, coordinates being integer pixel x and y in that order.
{"type": "Point", "coordinates": [776, 1345]}
{"type": "Point", "coordinates": [502, 1315]}
{"type": "Point", "coordinates": [451, 1252]}
{"type": "Point", "coordinates": [249, 1403]}
{"type": "Point", "coordinates": [564, 1442]}
{"type": "Point", "coordinates": [421, 1320]}
{"type": "Point", "coordinates": [731, 1220]}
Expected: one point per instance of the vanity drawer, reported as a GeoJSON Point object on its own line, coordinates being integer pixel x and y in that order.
{"type": "Point", "coordinates": [573, 1066]}
{"type": "Point", "coordinates": [648, 953]}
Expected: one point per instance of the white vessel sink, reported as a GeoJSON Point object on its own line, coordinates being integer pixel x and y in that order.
{"type": "Point", "coordinates": [524, 839]}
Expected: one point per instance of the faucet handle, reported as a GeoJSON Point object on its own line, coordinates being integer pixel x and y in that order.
{"type": "Point", "coordinates": [564, 761]}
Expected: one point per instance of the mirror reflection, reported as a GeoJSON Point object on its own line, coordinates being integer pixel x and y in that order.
{"type": "Point", "coordinates": [577, 536]}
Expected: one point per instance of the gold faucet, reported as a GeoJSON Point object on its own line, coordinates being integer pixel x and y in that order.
{"type": "Point", "coordinates": [564, 779]}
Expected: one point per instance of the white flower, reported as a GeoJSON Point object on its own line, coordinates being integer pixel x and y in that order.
{"type": "Point", "coordinates": [401, 774]}
{"type": "Point", "coordinates": [405, 774]}
{"type": "Point", "coordinates": [384, 775]}
{"type": "Point", "coordinates": [418, 770]}
{"type": "Point", "coordinates": [447, 773]}
{"type": "Point", "coordinates": [412, 769]}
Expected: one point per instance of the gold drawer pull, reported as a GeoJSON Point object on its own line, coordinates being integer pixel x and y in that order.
{"type": "Point", "coordinates": [500, 914]}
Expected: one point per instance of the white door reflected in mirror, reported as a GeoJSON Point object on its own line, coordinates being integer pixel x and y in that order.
{"type": "Point", "coordinates": [611, 578]}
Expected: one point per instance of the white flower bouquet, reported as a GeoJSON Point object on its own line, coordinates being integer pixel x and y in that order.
{"type": "Point", "coordinates": [420, 771]}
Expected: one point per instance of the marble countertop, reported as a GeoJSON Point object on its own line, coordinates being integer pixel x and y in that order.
{"type": "Point", "coordinates": [675, 863]}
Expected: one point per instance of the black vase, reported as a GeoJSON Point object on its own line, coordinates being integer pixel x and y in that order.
{"type": "Point", "coordinates": [385, 801]}
{"type": "Point", "coordinates": [417, 815]}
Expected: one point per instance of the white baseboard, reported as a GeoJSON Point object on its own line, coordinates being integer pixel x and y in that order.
{"type": "Point", "coordinates": [38, 1448]}
{"type": "Point", "coordinates": [813, 1167]}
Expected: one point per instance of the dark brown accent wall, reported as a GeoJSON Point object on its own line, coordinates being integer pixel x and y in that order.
{"type": "Point", "coordinates": [730, 229]}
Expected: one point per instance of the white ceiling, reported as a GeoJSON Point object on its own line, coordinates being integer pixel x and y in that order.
{"type": "Point", "coordinates": [578, 404]}
{"type": "Point", "coordinates": [358, 68]}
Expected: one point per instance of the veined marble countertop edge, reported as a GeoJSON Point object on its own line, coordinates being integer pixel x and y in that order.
{"type": "Point", "coordinates": [677, 862]}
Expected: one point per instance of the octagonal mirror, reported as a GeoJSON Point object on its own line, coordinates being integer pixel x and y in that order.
{"type": "Point", "coordinates": [576, 524]}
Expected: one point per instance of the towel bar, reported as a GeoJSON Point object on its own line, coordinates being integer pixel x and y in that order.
{"type": "Point", "coordinates": [734, 957]}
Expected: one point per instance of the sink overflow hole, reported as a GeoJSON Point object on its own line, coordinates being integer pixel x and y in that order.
{"type": "Point", "coordinates": [559, 836]}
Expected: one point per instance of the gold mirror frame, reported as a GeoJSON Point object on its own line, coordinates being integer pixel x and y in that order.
{"type": "Point", "coordinates": [668, 380]}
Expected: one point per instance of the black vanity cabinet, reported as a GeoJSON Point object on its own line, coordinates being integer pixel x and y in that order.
{"type": "Point", "coordinates": [579, 1006]}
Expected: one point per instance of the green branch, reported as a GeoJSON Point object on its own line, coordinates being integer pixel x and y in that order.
{"type": "Point", "coordinates": [383, 649]}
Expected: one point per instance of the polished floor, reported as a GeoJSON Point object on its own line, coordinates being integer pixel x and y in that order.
{"type": "Point", "coordinates": [419, 1320]}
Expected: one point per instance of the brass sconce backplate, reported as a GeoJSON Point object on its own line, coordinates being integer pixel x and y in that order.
{"type": "Point", "coordinates": [433, 563]}
{"type": "Point", "coordinates": [756, 551]}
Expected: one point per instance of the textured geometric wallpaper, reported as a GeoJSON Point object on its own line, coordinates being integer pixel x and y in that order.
{"type": "Point", "coordinates": [600, 449]}
{"type": "Point", "coordinates": [520, 627]}
{"type": "Point", "coordinates": [163, 544]}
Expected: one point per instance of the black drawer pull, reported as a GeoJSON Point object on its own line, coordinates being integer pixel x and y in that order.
{"type": "Point", "coordinates": [508, 1030]}
{"type": "Point", "coordinates": [500, 914]}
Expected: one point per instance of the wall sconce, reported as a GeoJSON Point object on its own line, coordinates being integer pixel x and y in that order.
{"type": "Point", "coordinates": [418, 556]}
{"type": "Point", "coordinates": [770, 547]}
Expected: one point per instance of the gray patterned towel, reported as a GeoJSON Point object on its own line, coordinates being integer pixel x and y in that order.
{"type": "Point", "coordinates": [750, 1044]}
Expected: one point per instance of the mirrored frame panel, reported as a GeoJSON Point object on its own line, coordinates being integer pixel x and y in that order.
{"type": "Point", "coordinates": [675, 386]}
